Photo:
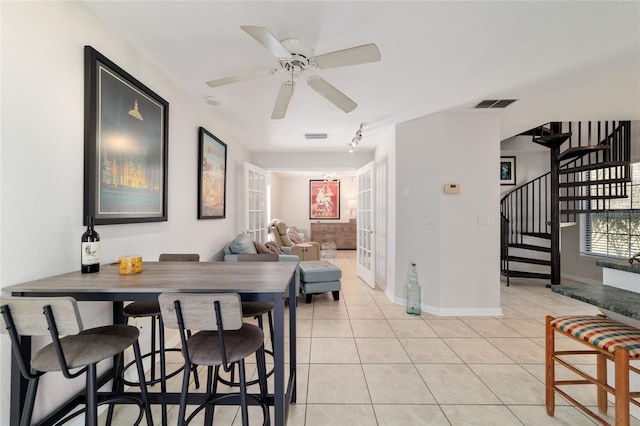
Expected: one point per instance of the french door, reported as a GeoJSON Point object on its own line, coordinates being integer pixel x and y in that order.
{"type": "Point", "coordinates": [255, 180]}
{"type": "Point", "coordinates": [366, 236]}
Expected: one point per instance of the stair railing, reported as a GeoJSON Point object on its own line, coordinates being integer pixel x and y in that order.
{"type": "Point", "coordinates": [526, 210]}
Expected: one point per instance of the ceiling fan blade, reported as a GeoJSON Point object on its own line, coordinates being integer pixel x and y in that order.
{"type": "Point", "coordinates": [268, 40]}
{"type": "Point", "coordinates": [241, 76]}
{"type": "Point", "coordinates": [352, 56]}
{"type": "Point", "coordinates": [283, 99]}
{"type": "Point", "coordinates": [332, 94]}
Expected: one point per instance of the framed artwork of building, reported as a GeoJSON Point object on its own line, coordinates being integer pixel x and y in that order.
{"type": "Point", "coordinates": [324, 199]}
{"type": "Point", "coordinates": [212, 176]}
{"type": "Point", "coordinates": [125, 146]}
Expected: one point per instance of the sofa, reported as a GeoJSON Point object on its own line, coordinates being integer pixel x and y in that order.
{"type": "Point", "coordinates": [288, 237]}
{"type": "Point", "coordinates": [243, 249]}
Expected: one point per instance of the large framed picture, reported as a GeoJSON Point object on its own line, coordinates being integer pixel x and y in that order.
{"type": "Point", "coordinates": [125, 145]}
{"type": "Point", "coordinates": [324, 199]}
{"type": "Point", "coordinates": [507, 170]}
{"type": "Point", "coordinates": [212, 176]}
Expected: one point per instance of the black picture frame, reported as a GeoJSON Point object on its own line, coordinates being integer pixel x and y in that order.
{"type": "Point", "coordinates": [126, 138]}
{"type": "Point", "coordinates": [212, 176]}
{"type": "Point", "coordinates": [508, 170]}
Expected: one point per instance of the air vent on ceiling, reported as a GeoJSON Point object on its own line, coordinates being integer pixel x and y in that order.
{"type": "Point", "coordinates": [315, 135]}
{"type": "Point", "coordinates": [495, 103]}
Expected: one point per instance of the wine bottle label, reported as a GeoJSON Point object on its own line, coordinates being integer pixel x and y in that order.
{"type": "Point", "coordinates": [91, 253]}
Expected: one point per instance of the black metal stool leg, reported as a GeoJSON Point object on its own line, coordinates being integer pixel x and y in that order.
{"type": "Point", "coordinates": [153, 348]}
{"type": "Point", "coordinates": [27, 411]}
{"type": "Point", "coordinates": [163, 368]}
{"type": "Point", "coordinates": [208, 413]}
{"type": "Point", "coordinates": [143, 385]}
{"type": "Point", "coordinates": [91, 418]}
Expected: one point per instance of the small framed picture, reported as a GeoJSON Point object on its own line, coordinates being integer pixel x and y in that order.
{"type": "Point", "coordinates": [212, 176]}
{"type": "Point", "coordinates": [507, 170]}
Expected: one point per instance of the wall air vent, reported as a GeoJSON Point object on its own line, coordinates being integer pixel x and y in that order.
{"type": "Point", "coordinates": [315, 135]}
{"type": "Point", "coordinates": [495, 103]}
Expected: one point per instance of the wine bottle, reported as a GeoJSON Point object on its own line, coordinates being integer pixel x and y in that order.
{"type": "Point", "coordinates": [90, 252]}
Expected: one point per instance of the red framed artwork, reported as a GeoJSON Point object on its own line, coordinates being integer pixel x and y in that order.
{"type": "Point", "coordinates": [324, 199]}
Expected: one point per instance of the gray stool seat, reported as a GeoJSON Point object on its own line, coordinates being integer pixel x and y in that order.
{"type": "Point", "coordinates": [87, 347]}
{"type": "Point", "coordinates": [320, 277]}
{"type": "Point", "coordinates": [204, 346]}
{"type": "Point", "coordinates": [141, 309]}
{"type": "Point", "coordinates": [252, 309]}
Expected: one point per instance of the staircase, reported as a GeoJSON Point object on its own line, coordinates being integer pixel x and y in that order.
{"type": "Point", "coordinates": [589, 167]}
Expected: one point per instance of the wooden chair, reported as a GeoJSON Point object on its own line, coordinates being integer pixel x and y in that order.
{"type": "Point", "coordinates": [224, 340]}
{"type": "Point", "coordinates": [607, 340]}
{"type": "Point", "coordinates": [77, 349]}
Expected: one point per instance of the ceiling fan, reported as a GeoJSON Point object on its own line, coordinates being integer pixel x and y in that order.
{"type": "Point", "coordinates": [296, 56]}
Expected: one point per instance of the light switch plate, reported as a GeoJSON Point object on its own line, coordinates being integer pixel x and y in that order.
{"type": "Point", "coordinates": [451, 188]}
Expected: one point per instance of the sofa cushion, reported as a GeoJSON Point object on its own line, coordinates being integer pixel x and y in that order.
{"type": "Point", "coordinates": [270, 247]}
{"type": "Point", "coordinates": [242, 244]}
{"type": "Point", "coordinates": [244, 257]}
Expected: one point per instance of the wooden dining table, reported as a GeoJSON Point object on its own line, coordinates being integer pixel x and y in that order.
{"type": "Point", "coordinates": [254, 281]}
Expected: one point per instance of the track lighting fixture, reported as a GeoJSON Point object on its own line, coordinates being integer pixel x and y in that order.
{"type": "Point", "coordinates": [356, 139]}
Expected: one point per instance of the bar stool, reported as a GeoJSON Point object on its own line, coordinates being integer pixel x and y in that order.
{"type": "Point", "coordinates": [256, 310]}
{"type": "Point", "coordinates": [608, 340]}
{"type": "Point", "coordinates": [152, 310]}
{"type": "Point", "coordinates": [78, 349]}
{"type": "Point", "coordinates": [224, 340]}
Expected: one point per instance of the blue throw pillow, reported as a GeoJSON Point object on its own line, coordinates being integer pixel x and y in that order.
{"type": "Point", "coordinates": [242, 244]}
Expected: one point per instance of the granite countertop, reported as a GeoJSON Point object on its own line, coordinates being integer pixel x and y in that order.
{"type": "Point", "coordinates": [623, 302]}
{"type": "Point", "coordinates": [626, 267]}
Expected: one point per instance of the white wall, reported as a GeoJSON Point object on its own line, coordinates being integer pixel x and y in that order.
{"type": "Point", "coordinates": [532, 160]}
{"type": "Point", "coordinates": [457, 258]}
{"type": "Point", "coordinates": [294, 199]}
{"type": "Point", "coordinates": [385, 213]}
{"type": "Point", "coordinates": [274, 196]}
{"type": "Point", "coordinates": [41, 174]}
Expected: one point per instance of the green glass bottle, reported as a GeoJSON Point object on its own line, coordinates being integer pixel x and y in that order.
{"type": "Point", "coordinates": [413, 292]}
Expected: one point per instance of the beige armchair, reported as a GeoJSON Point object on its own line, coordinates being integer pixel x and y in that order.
{"type": "Point", "coordinates": [285, 236]}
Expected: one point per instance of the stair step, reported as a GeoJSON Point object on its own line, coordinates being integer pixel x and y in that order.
{"type": "Point", "coordinates": [529, 260]}
{"type": "Point", "coordinates": [580, 151]}
{"type": "Point", "coordinates": [595, 166]}
{"type": "Point", "coordinates": [544, 235]}
{"type": "Point", "coordinates": [531, 247]}
{"type": "Point", "coordinates": [551, 141]}
{"type": "Point", "coordinates": [595, 182]}
{"type": "Point", "coordinates": [536, 131]}
{"type": "Point", "coordinates": [592, 197]}
{"type": "Point", "coordinates": [523, 274]}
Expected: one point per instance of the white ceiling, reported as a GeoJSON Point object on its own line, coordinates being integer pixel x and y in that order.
{"type": "Point", "coordinates": [562, 60]}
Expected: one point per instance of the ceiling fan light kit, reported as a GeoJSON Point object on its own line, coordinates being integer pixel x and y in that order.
{"type": "Point", "coordinates": [295, 56]}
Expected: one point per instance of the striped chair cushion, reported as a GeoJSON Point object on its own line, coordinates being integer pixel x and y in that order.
{"type": "Point", "coordinates": [601, 332]}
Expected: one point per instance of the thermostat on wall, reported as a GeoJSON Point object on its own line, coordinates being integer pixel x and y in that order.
{"type": "Point", "coordinates": [451, 188]}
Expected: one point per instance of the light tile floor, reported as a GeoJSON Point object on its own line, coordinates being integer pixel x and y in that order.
{"type": "Point", "coordinates": [363, 361]}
